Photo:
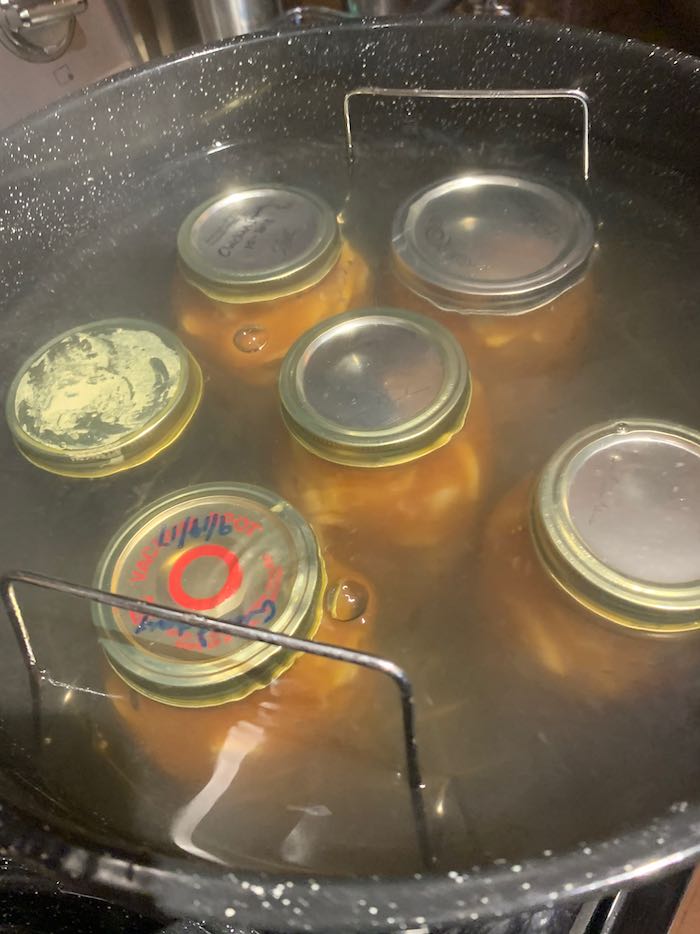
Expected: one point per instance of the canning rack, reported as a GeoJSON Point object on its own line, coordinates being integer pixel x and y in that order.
{"type": "Point", "coordinates": [38, 675]}
{"type": "Point", "coordinates": [576, 96]}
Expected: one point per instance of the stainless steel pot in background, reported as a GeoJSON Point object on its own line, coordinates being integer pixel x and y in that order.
{"type": "Point", "coordinates": [168, 26]}
{"type": "Point", "coordinates": [49, 50]}
{"type": "Point", "coordinates": [234, 17]}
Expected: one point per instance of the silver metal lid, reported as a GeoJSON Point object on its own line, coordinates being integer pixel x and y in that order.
{"type": "Point", "coordinates": [257, 244]}
{"type": "Point", "coordinates": [491, 243]}
{"type": "Point", "coordinates": [102, 397]}
{"type": "Point", "coordinates": [227, 550]}
{"type": "Point", "coordinates": [375, 387]}
{"type": "Point", "coordinates": [616, 518]}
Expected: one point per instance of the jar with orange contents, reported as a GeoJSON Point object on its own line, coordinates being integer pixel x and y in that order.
{"type": "Point", "coordinates": [258, 267]}
{"type": "Point", "coordinates": [389, 433]}
{"type": "Point", "coordinates": [237, 553]}
{"type": "Point", "coordinates": [591, 571]}
{"type": "Point", "coordinates": [502, 262]}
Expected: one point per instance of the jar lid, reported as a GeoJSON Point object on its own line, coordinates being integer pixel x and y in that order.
{"type": "Point", "coordinates": [495, 244]}
{"type": "Point", "coordinates": [227, 550]}
{"type": "Point", "coordinates": [375, 387]}
{"type": "Point", "coordinates": [616, 519]}
{"type": "Point", "coordinates": [103, 397]}
{"type": "Point", "coordinates": [257, 244]}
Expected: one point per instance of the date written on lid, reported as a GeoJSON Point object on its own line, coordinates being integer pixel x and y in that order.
{"type": "Point", "coordinates": [223, 580]}
{"type": "Point", "coordinates": [233, 552]}
{"type": "Point", "coordinates": [236, 564]}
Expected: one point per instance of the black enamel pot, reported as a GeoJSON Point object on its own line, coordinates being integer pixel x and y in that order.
{"type": "Point", "coordinates": [75, 168]}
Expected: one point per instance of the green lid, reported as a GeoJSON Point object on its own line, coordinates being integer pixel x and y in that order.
{"type": "Point", "coordinates": [103, 397]}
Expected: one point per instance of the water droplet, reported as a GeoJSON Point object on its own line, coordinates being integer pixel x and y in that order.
{"type": "Point", "coordinates": [347, 600]}
{"type": "Point", "coordinates": [250, 339]}
{"type": "Point", "coordinates": [621, 428]}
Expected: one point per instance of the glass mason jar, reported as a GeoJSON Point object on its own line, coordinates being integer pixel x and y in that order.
{"type": "Point", "coordinates": [501, 261]}
{"type": "Point", "coordinates": [389, 434]}
{"type": "Point", "coordinates": [593, 568]}
{"type": "Point", "coordinates": [237, 553]}
{"type": "Point", "coordinates": [103, 397]}
{"type": "Point", "coordinates": [258, 267]}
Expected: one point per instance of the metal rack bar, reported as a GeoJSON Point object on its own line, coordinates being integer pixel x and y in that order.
{"type": "Point", "coordinates": [584, 918]}
{"type": "Point", "coordinates": [614, 912]}
{"type": "Point", "coordinates": [383, 666]}
{"type": "Point", "coordinates": [572, 94]}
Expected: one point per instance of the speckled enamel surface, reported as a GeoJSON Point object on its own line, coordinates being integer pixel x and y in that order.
{"type": "Point", "coordinates": [67, 171]}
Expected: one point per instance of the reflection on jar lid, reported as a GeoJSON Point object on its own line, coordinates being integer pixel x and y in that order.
{"type": "Point", "coordinates": [375, 387]}
{"type": "Point", "coordinates": [616, 519]}
{"type": "Point", "coordinates": [226, 550]}
{"type": "Point", "coordinates": [491, 243]}
{"type": "Point", "coordinates": [103, 397]}
{"type": "Point", "coordinates": [258, 244]}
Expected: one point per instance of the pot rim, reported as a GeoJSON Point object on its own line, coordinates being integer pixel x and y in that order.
{"type": "Point", "coordinates": [169, 885]}
{"type": "Point", "coordinates": [498, 889]}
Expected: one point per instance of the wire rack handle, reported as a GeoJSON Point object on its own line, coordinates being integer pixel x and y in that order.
{"type": "Point", "coordinates": [336, 653]}
{"type": "Point", "coordinates": [576, 96]}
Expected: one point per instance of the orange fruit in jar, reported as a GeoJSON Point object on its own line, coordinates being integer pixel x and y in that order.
{"type": "Point", "coordinates": [187, 695]}
{"type": "Point", "coordinates": [501, 261]}
{"type": "Point", "coordinates": [590, 572]}
{"type": "Point", "coordinates": [257, 268]}
{"type": "Point", "coordinates": [389, 433]}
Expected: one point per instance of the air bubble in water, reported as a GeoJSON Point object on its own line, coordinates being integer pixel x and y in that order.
{"type": "Point", "coordinates": [250, 339]}
{"type": "Point", "coordinates": [347, 600]}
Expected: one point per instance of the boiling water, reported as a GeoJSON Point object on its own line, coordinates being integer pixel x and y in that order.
{"type": "Point", "coordinates": [514, 763]}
